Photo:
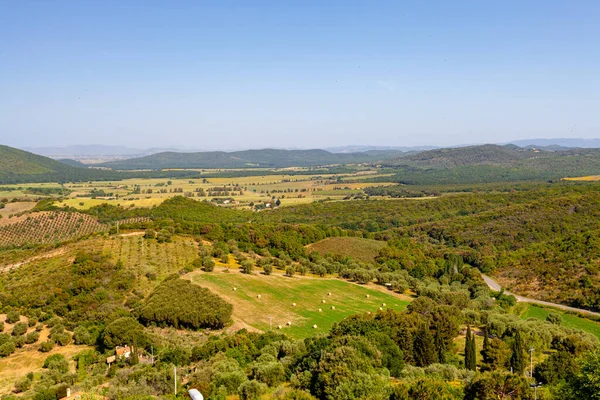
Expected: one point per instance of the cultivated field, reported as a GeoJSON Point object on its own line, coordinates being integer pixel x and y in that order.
{"type": "Point", "coordinates": [241, 191]}
{"type": "Point", "coordinates": [47, 227]}
{"type": "Point", "coordinates": [278, 294]}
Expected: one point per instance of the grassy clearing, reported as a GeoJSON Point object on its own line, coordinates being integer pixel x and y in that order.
{"type": "Point", "coordinates": [277, 293]}
{"type": "Point", "coordinates": [569, 320]}
{"type": "Point", "coordinates": [358, 248]}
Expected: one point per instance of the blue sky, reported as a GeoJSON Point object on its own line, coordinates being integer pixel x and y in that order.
{"type": "Point", "coordinates": [254, 74]}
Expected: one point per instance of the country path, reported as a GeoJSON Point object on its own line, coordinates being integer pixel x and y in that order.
{"type": "Point", "coordinates": [495, 286]}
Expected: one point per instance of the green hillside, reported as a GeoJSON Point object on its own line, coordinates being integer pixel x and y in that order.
{"type": "Point", "coordinates": [265, 158]}
{"type": "Point", "coordinates": [18, 166]}
{"type": "Point", "coordinates": [493, 163]}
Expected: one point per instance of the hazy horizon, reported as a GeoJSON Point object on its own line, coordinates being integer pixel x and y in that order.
{"type": "Point", "coordinates": [240, 75]}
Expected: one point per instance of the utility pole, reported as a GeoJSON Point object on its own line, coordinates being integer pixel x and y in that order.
{"type": "Point", "coordinates": [531, 349]}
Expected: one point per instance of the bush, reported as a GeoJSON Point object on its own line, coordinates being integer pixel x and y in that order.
{"type": "Point", "coordinates": [19, 341]}
{"type": "Point", "coordinates": [554, 318]}
{"type": "Point", "coordinates": [19, 329]}
{"type": "Point", "coordinates": [124, 331]}
{"type": "Point", "coordinates": [208, 264]}
{"type": "Point", "coordinates": [247, 266]}
{"type": "Point", "coordinates": [32, 322]}
{"type": "Point", "coordinates": [12, 317]}
{"type": "Point", "coordinates": [251, 390]}
{"type": "Point", "coordinates": [22, 385]}
{"type": "Point", "coordinates": [46, 346]}
{"type": "Point", "coordinates": [289, 271]}
{"type": "Point", "coordinates": [175, 302]}
{"type": "Point", "coordinates": [82, 336]}
{"type": "Point", "coordinates": [32, 337]}
{"type": "Point", "coordinates": [62, 339]}
{"type": "Point", "coordinates": [57, 362]}
{"type": "Point", "coordinates": [7, 349]}
{"type": "Point", "coordinates": [268, 269]}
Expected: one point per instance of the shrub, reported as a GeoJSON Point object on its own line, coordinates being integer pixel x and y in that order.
{"type": "Point", "coordinates": [554, 318]}
{"type": "Point", "coordinates": [124, 331]}
{"type": "Point", "coordinates": [57, 362]}
{"type": "Point", "coordinates": [12, 317]}
{"type": "Point", "coordinates": [82, 336]}
{"type": "Point", "coordinates": [175, 302]}
{"type": "Point", "coordinates": [46, 346]}
{"type": "Point", "coordinates": [268, 269]}
{"type": "Point", "coordinates": [22, 385]}
{"type": "Point", "coordinates": [289, 271]}
{"type": "Point", "coordinates": [251, 390]}
{"type": "Point", "coordinates": [247, 266]}
{"type": "Point", "coordinates": [19, 329]}
{"type": "Point", "coordinates": [62, 339]}
{"type": "Point", "coordinates": [19, 341]}
{"type": "Point", "coordinates": [7, 349]}
{"type": "Point", "coordinates": [208, 264]}
{"type": "Point", "coordinates": [32, 337]}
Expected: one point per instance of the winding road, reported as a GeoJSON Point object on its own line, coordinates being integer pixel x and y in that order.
{"type": "Point", "coordinates": [495, 286]}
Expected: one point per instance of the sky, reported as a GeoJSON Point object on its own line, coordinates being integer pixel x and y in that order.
{"type": "Point", "coordinates": [241, 74]}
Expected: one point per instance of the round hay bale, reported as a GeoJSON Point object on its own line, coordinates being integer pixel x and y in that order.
{"type": "Point", "coordinates": [258, 296]}
{"type": "Point", "coordinates": [323, 301]}
{"type": "Point", "coordinates": [369, 312]}
{"type": "Point", "coordinates": [315, 326]}
{"type": "Point", "coordinates": [279, 326]}
{"type": "Point", "coordinates": [380, 308]}
{"type": "Point", "coordinates": [234, 288]}
{"type": "Point", "coordinates": [333, 307]}
{"type": "Point", "coordinates": [367, 296]}
{"type": "Point", "coordinates": [382, 304]}
{"type": "Point", "coordinates": [320, 310]}
{"type": "Point", "coordinates": [289, 323]}
{"type": "Point", "coordinates": [293, 304]}
{"type": "Point", "coordinates": [329, 294]}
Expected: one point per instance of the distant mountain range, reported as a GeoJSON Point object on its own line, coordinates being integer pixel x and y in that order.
{"type": "Point", "coordinates": [265, 158]}
{"type": "Point", "coordinates": [537, 160]}
{"type": "Point", "coordinates": [94, 150]}
{"type": "Point", "coordinates": [560, 142]}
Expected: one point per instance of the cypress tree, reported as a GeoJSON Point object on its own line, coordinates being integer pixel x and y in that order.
{"type": "Point", "coordinates": [468, 349]}
{"type": "Point", "coordinates": [424, 347]}
{"type": "Point", "coordinates": [485, 352]}
{"type": "Point", "coordinates": [473, 353]}
{"type": "Point", "coordinates": [517, 359]}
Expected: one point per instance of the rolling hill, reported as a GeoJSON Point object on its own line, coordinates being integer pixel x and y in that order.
{"type": "Point", "coordinates": [19, 166]}
{"type": "Point", "coordinates": [265, 158]}
{"type": "Point", "coordinates": [493, 163]}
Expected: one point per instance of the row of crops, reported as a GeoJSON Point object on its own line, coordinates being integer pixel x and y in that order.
{"type": "Point", "coordinates": [49, 227]}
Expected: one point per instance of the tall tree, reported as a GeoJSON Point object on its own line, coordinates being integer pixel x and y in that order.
{"type": "Point", "coordinates": [518, 358]}
{"type": "Point", "coordinates": [473, 353]}
{"type": "Point", "coordinates": [424, 347]}
{"type": "Point", "coordinates": [470, 356]}
{"type": "Point", "coordinates": [468, 349]}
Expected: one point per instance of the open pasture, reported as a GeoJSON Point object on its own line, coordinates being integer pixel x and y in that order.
{"type": "Point", "coordinates": [569, 320]}
{"type": "Point", "coordinates": [259, 300]}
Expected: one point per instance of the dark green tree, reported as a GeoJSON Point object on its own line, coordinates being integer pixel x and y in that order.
{"type": "Point", "coordinates": [470, 351]}
{"type": "Point", "coordinates": [518, 357]}
{"type": "Point", "coordinates": [424, 347]}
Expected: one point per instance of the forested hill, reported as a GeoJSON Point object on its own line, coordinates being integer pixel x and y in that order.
{"type": "Point", "coordinates": [494, 163]}
{"type": "Point", "coordinates": [18, 166]}
{"type": "Point", "coordinates": [265, 158]}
